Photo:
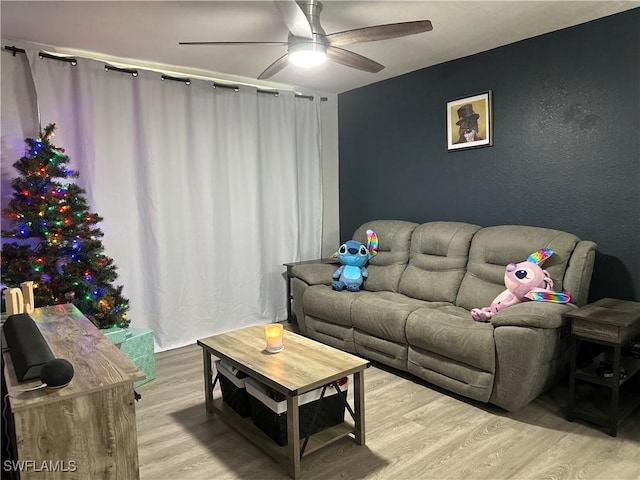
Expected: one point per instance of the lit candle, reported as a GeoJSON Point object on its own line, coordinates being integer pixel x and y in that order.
{"type": "Point", "coordinates": [273, 335]}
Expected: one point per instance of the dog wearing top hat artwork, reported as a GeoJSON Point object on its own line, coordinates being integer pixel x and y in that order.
{"type": "Point", "coordinates": [468, 123]}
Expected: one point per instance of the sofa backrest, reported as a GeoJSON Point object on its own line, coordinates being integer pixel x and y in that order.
{"type": "Point", "coordinates": [492, 248]}
{"type": "Point", "coordinates": [385, 269]}
{"type": "Point", "coordinates": [437, 260]}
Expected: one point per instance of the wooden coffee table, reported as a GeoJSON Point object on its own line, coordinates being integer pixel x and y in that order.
{"type": "Point", "coordinates": [304, 365]}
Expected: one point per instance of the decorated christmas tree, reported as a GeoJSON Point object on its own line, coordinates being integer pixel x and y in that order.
{"type": "Point", "coordinates": [57, 244]}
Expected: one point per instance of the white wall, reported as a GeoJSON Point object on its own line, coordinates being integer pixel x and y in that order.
{"type": "Point", "coordinates": [331, 211]}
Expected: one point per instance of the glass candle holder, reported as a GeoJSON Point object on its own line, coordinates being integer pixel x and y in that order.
{"type": "Point", "coordinates": [273, 336]}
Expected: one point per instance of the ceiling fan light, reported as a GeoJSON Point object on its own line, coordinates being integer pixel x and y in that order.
{"type": "Point", "coordinates": [307, 54]}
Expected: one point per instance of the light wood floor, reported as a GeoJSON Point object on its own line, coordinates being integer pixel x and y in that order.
{"type": "Point", "coordinates": [412, 432]}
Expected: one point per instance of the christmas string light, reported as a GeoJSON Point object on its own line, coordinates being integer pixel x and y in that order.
{"type": "Point", "coordinates": [57, 214]}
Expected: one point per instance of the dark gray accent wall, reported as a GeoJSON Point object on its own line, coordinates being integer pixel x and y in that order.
{"type": "Point", "coordinates": [566, 151]}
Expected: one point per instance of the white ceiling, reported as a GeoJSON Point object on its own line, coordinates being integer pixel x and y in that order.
{"type": "Point", "coordinates": [146, 33]}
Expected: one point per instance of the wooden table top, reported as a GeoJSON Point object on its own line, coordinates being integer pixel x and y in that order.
{"type": "Point", "coordinates": [611, 311]}
{"type": "Point", "coordinates": [303, 365]}
{"type": "Point", "coordinates": [97, 363]}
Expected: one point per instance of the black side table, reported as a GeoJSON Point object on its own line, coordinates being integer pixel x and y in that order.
{"type": "Point", "coordinates": [613, 324]}
{"type": "Point", "coordinates": [332, 261]}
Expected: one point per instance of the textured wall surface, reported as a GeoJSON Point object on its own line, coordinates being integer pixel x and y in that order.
{"type": "Point", "coordinates": [566, 151]}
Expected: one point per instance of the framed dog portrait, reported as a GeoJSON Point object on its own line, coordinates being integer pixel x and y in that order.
{"type": "Point", "coordinates": [470, 122]}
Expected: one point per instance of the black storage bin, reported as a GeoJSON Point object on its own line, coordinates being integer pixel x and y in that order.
{"type": "Point", "coordinates": [270, 416]}
{"type": "Point", "coordinates": [234, 393]}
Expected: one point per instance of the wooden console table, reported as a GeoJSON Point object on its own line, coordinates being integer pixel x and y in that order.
{"type": "Point", "coordinates": [87, 429]}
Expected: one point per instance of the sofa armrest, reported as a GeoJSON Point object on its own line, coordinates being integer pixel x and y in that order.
{"type": "Point", "coordinates": [533, 314]}
{"type": "Point", "coordinates": [315, 273]}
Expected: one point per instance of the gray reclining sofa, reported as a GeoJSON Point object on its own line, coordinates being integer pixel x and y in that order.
{"type": "Point", "coordinates": [412, 312]}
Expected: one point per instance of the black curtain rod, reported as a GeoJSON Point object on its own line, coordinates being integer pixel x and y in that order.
{"type": "Point", "coordinates": [311, 97]}
{"type": "Point", "coordinates": [275, 93]}
{"type": "Point", "coordinates": [70, 60]}
{"type": "Point", "coordinates": [131, 71]}
{"type": "Point", "coordinates": [269, 92]}
{"type": "Point", "coordinates": [15, 50]}
{"type": "Point", "coordinates": [235, 88]}
{"type": "Point", "coordinates": [186, 81]}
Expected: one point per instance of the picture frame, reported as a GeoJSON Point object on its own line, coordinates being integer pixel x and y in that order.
{"type": "Point", "coordinates": [470, 122]}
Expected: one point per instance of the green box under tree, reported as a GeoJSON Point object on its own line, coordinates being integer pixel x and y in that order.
{"type": "Point", "coordinates": [137, 345]}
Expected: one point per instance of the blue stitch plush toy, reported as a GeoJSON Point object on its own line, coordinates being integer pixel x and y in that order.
{"type": "Point", "coordinates": [353, 255]}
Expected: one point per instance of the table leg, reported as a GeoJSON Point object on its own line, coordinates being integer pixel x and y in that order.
{"type": "Point", "coordinates": [358, 403]}
{"type": "Point", "coordinates": [293, 436]}
{"type": "Point", "coordinates": [615, 392]}
{"type": "Point", "coordinates": [208, 385]}
{"type": "Point", "coordinates": [289, 277]}
{"type": "Point", "coordinates": [575, 345]}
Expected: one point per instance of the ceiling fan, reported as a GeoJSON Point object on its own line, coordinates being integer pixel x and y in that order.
{"type": "Point", "coordinates": [309, 45]}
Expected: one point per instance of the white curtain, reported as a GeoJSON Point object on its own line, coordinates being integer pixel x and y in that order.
{"type": "Point", "coordinates": [205, 192]}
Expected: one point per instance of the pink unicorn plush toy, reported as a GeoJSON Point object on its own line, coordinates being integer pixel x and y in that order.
{"type": "Point", "coordinates": [524, 281]}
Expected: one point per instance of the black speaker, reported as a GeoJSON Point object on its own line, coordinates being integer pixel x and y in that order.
{"type": "Point", "coordinates": [28, 349]}
{"type": "Point", "coordinates": [57, 373]}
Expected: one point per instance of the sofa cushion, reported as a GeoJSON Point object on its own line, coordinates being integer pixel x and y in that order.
{"type": "Point", "coordinates": [450, 332]}
{"type": "Point", "coordinates": [322, 302]}
{"type": "Point", "coordinates": [454, 376]}
{"type": "Point", "coordinates": [387, 266]}
{"type": "Point", "coordinates": [338, 336]}
{"type": "Point", "coordinates": [380, 350]}
{"type": "Point", "coordinates": [384, 314]}
{"type": "Point", "coordinates": [437, 260]}
{"type": "Point", "coordinates": [493, 248]}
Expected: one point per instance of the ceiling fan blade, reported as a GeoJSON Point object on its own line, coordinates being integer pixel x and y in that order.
{"type": "Point", "coordinates": [379, 32]}
{"type": "Point", "coordinates": [234, 43]}
{"type": "Point", "coordinates": [353, 60]}
{"type": "Point", "coordinates": [294, 18]}
{"type": "Point", "coordinates": [275, 67]}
